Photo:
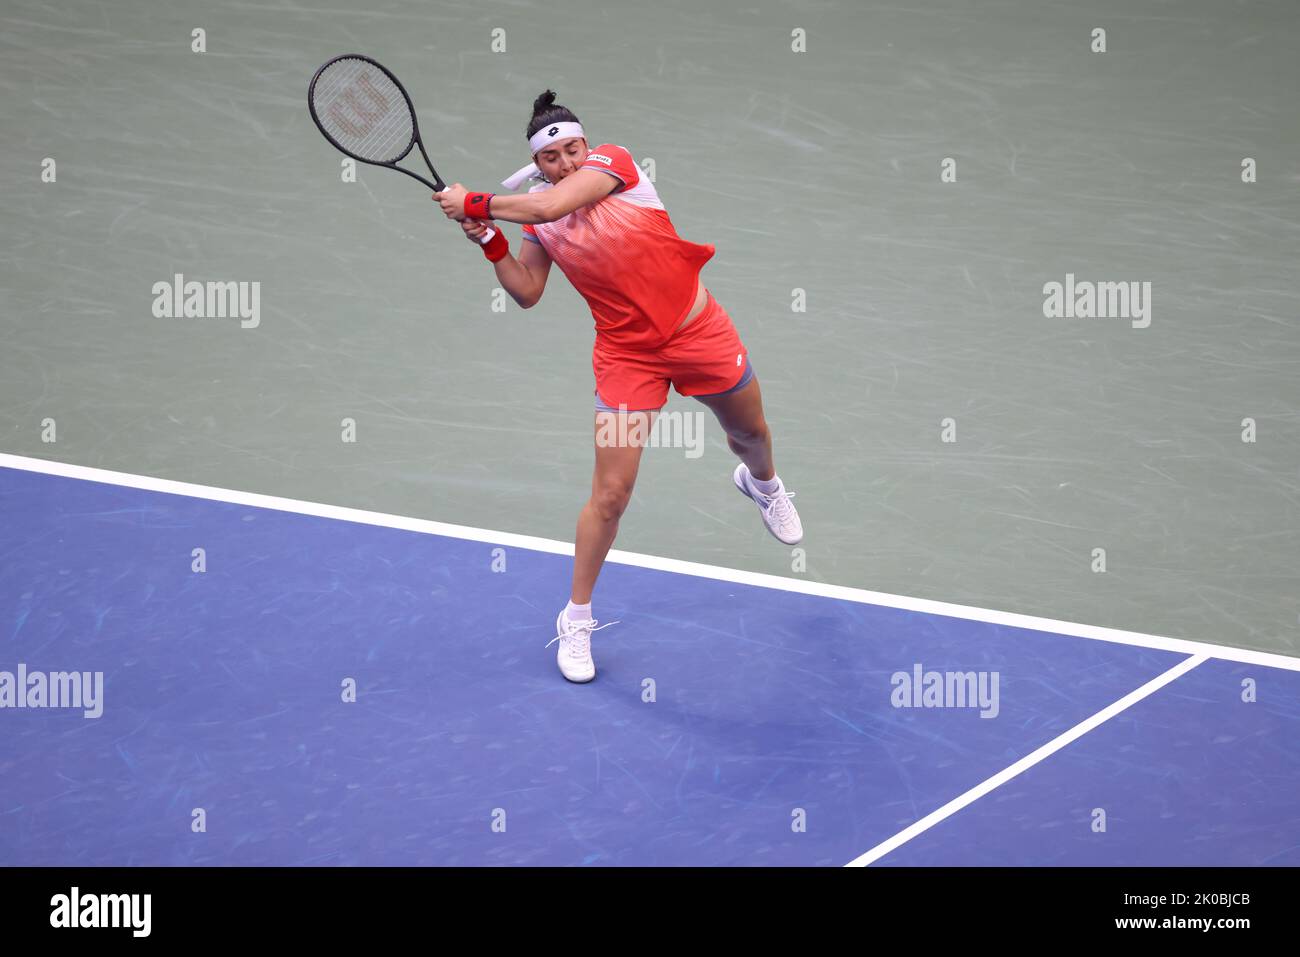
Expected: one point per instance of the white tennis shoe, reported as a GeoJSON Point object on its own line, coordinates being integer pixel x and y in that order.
{"type": "Point", "coordinates": [574, 654]}
{"type": "Point", "coordinates": [779, 513]}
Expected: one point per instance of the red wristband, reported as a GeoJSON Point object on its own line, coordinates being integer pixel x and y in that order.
{"type": "Point", "coordinates": [497, 248]}
{"type": "Point", "coordinates": [477, 205]}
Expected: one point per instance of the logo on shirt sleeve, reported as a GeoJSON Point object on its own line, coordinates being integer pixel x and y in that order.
{"type": "Point", "coordinates": [600, 158]}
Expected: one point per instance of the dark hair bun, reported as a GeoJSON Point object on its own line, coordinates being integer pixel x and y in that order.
{"type": "Point", "coordinates": [546, 111]}
{"type": "Point", "coordinates": [543, 102]}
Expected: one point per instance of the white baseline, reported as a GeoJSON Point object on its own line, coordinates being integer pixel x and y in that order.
{"type": "Point", "coordinates": [717, 573]}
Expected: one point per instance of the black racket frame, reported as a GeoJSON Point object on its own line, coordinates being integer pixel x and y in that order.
{"type": "Point", "coordinates": [438, 185]}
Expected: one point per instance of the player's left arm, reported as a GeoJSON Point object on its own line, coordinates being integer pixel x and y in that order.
{"type": "Point", "coordinates": [581, 188]}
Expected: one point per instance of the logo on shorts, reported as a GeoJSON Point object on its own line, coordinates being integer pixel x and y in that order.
{"type": "Point", "coordinates": [739, 357]}
{"type": "Point", "coordinates": [600, 158]}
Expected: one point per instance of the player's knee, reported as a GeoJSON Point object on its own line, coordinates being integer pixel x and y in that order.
{"type": "Point", "coordinates": [755, 433]}
{"type": "Point", "coordinates": [610, 499]}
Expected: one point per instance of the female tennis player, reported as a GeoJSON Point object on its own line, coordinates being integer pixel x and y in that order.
{"type": "Point", "coordinates": [598, 217]}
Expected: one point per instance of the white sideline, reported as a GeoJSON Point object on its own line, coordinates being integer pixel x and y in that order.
{"type": "Point", "coordinates": [1027, 762]}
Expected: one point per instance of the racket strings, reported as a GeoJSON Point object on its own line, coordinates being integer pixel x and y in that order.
{"type": "Point", "coordinates": [364, 111]}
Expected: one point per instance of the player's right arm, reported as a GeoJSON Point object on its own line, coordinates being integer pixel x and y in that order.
{"type": "Point", "coordinates": [524, 278]}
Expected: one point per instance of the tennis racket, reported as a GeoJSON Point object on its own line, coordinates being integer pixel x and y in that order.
{"type": "Point", "coordinates": [361, 108]}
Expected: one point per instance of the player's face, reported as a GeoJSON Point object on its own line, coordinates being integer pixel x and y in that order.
{"type": "Point", "coordinates": [562, 158]}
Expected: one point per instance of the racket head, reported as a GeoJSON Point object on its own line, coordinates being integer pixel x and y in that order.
{"type": "Point", "coordinates": [363, 110]}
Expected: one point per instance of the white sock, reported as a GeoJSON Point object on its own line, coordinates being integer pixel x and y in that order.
{"type": "Point", "coordinates": [578, 612]}
{"type": "Point", "coordinates": [769, 487]}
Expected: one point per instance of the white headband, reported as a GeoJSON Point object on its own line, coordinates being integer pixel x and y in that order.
{"type": "Point", "coordinates": [537, 142]}
{"type": "Point", "coordinates": [549, 134]}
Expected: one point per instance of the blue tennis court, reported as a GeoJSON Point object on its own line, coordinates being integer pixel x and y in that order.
{"type": "Point", "coordinates": [731, 723]}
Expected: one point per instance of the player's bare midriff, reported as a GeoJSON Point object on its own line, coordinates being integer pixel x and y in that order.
{"type": "Point", "coordinates": [701, 297]}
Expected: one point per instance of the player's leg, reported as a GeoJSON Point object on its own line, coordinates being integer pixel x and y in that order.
{"type": "Point", "coordinates": [740, 413]}
{"type": "Point", "coordinates": [621, 434]}
{"type": "Point", "coordinates": [620, 439]}
{"type": "Point", "coordinates": [710, 363]}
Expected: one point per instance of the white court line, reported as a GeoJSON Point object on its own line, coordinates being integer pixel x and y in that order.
{"type": "Point", "coordinates": [840, 592]}
{"type": "Point", "coordinates": [1027, 762]}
